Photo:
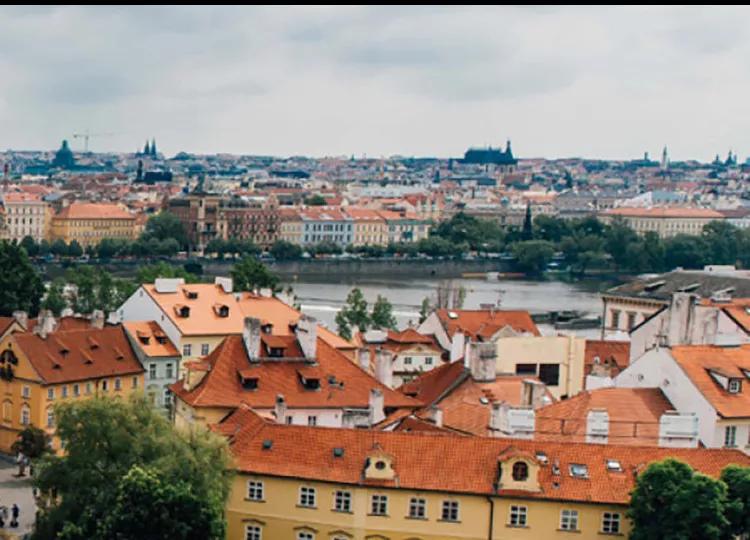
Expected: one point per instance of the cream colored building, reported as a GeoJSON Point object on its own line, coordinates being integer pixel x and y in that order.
{"type": "Point", "coordinates": [89, 223]}
{"type": "Point", "coordinates": [369, 227]}
{"type": "Point", "coordinates": [666, 222]}
{"type": "Point", "coordinates": [26, 214]}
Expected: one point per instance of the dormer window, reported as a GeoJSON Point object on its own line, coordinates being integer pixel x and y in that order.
{"type": "Point", "coordinates": [734, 386]}
{"type": "Point", "coordinates": [183, 311]}
{"type": "Point", "coordinates": [250, 383]}
{"type": "Point", "coordinates": [224, 311]}
{"type": "Point", "coordinates": [579, 471]}
{"type": "Point", "coordinates": [144, 339]}
{"type": "Point", "coordinates": [520, 471]}
{"type": "Point", "coordinates": [311, 384]}
{"type": "Point", "coordinates": [614, 465]}
{"type": "Point", "coordinates": [191, 295]}
{"type": "Point", "coordinates": [276, 352]}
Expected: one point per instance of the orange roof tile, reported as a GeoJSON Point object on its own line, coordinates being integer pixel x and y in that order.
{"type": "Point", "coordinates": [157, 343]}
{"type": "Point", "coordinates": [426, 461]}
{"type": "Point", "coordinates": [665, 212]}
{"type": "Point", "coordinates": [94, 211]}
{"type": "Point", "coordinates": [697, 361]}
{"type": "Point", "coordinates": [614, 354]}
{"type": "Point", "coordinates": [76, 355]}
{"type": "Point", "coordinates": [485, 323]}
{"type": "Point", "coordinates": [634, 415]}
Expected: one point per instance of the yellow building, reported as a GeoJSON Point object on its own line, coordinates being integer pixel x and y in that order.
{"type": "Point", "coordinates": [290, 226]}
{"type": "Point", "coordinates": [89, 223]}
{"type": "Point", "coordinates": [303, 483]}
{"type": "Point", "coordinates": [370, 228]}
{"type": "Point", "coordinates": [44, 366]}
{"type": "Point", "coordinates": [25, 214]}
{"type": "Point", "coordinates": [666, 222]}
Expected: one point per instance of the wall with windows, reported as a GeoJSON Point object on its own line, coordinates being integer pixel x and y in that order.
{"type": "Point", "coordinates": [266, 507]}
{"type": "Point", "coordinates": [534, 355]}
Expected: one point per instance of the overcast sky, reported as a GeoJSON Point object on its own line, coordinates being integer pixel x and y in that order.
{"type": "Point", "coordinates": [428, 81]}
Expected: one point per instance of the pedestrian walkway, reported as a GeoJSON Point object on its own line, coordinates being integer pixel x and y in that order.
{"type": "Point", "coordinates": [18, 491]}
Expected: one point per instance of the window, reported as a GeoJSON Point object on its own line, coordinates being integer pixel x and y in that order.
{"type": "Point", "coordinates": [204, 349]}
{"type": "Point", "coordinates": [118, 384]}
{"type": "Point", "coordinates": [307, 497]}
{"type": "Point", "coordinates": [289, 420]}
{"type": "Point", "coordinates": [417, 508]}
{"type": "Point", "coordinates": [610, 522]}
{"type": "Point", "coordinates": [407, 360]}
{"type": "Point", "coordinates": [549, 374]}
{"type": "Point", "coordinates": [135, 382]}
{"type": "Point", "coordinates": [7, 410]}
{"type": "Point", "coordinates": [50, 394]}
{"type": "Point", "coordinates": [50, 418]}
{"type": "Point", "coordinates": [520, 471]}
{"type": "Point", "coordinates": [450, 511]}
{"type": "Point", "coordinates": [517, 516]}
{"type": "Point", "coordinates": [312, 420]}
{"type": "Point", "coordinates": [170, 373]}
{"type": "Point", "coordinates": [88, 387]}
{"type": "Point", "coordinates": [631, 319]}
{"type": "Point", "coordinates": [252, 532]}
{"type": "Point", "coordinates": [525, 369]}
{"type": "Point", "coordinates": [255, 490]}
{"type": "Point", "coordinates": [615, 318]}
{"type": "Point", "coordinates": [64, 391]}
{"type": "Point", "coordinates": [152, 371]}
{"type": "Point", "coordinates": [342, 501]}
{"type": "Point", "coordinates": [104, 386]}
{"type": "Point", "coordinates": [26, 391]}
{"type": "Point", "coordinates": [428, 361]}
{"type": "Point", "coordinates": [186, 349]}
{"type": "Point", "coordinates": [569, 520]}
{"type": "Point", "coordinates": [76, 390]}
{"type": "Point", "coordinates": [25, 415]}
{"type": "Point", "coordinates": [730, 436]}
{"type": "Point", "coordinates": [734, 386]}
{"type": "Point", "coordinates": [379, 505]}
{"type": "Point", "coordinates": [302, 535]}
{"type": "Point", "coordinates": [167, 397]}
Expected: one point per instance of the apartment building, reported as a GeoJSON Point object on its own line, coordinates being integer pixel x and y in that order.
{"type": "Point", "coordinates": [666, 222]}
{"type": "Point", "coordinates": [25, 214]}
{"type": "Point", "coordinates": [90, 223]}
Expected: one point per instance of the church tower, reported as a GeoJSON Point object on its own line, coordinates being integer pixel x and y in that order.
{"type": "Point", "coordinates": [664, 159]}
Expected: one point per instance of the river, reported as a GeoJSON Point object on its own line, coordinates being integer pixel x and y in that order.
{"type": "Point", "coordinates": [323, 298]}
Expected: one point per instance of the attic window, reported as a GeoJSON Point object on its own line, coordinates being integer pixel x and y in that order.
{"type": "Point", "coordinates": [267, 444]}
{"type": "Point", "coordinates": [452, 315]}
{"type": "Point", "coordinates": [249, 383]}
{"type": "Point", "coordinates": [578, 470]}
{"type": "Point", "coordinates": [93, 344]}
{"type": "Point", "coordinates": [118, 354]}
{"type": "Point", "coordinates": [542, 458]}
{"type": "Point", "coordinates": [192, 295]}
{"type": "Point", "coordinates": [613, 465]}
{"type": "Point", "coordinates": [654, 285]}
{"type": "Point", "coordinates": [183, 311]}
{"type": "Point", "coordinates": [144, 339]}
{"type": "Point", "coordinates": [689, 288]}
{"type": "Point", "coordinates": [311, 384]}
{"type": "Point", "coordinates": [734, 386]}
{"type": "Point", "coordinates": [276, 352]}
{"type": "Point", "coordinates": [266, 328]}
{"type": "Point", "coordinates": [223, 311]}
{"type": "Point", "coordinates": [338, 452]}
{"type": "Point", "coordinates": [520, 471]}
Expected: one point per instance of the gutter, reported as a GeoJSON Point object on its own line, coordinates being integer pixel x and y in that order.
{"type": "Point", "coordinates": [492, 516]}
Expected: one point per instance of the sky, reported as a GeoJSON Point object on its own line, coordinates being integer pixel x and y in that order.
{"type": "Point", "coordinates": [595, 82]}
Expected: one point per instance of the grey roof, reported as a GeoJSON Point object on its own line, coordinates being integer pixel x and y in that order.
{"type": "Point", "coordinates": [703, 284]}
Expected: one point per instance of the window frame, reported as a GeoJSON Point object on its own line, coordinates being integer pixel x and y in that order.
{"type": "Point", "coordinates": [378, 504]}
{"type": "Point", "coordinates": [257, 534]}
{"type": "Point", "coordinates": [417, 503]}
{"type": "Point", "coordinates": [518, 515]}
{"type": "Point", "coordinates": [450, 511]}
{"type": "Point", "coordinates": [611, 521]}
{"type": "Point", "coordinates": [342, 501]}
{"type": "Point", "coordinates": [255, 490]}
{"type": "Point", "coordinates": [307, 497]}
{"type": "Point", "coordinates": [730, 436]}
{"type": "Point", "coordinates": [568, 517]}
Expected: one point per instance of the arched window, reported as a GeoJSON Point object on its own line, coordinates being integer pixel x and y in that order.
{"type": "Point", "coordinates": [7, 410]}
{"type": "Point", "coordinates": [25, 415]}
{"type": "Point", "coordinates": [520, 471]}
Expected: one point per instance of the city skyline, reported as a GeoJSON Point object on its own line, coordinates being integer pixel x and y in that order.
{"type": "Point", "coordinates": [605, 83]}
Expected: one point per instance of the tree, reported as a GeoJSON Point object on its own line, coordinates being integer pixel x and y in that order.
{"type": "Point", "coordinates": [125, 450]}
{"type": "Point", "coordinates": [75, 249]}
{"type": "Point", "coordinates": [382, 314]}
{"type": "Point", "coordinates": [316, 200]}
{"type": "Point", "coordinates": [32, 442]}
{"type": "Point", "coordinates": [165, 225]}
{"type": "Point", "coordinates": [353, 315]}
{"type": "Point", "coordinates": [721, 239]}
{"type": "Point", "coordinates": [424, 310]}
{"type": "Point", "coordinates": [250, 274]}
{"type": "Point", "coordinates": [149, 273]}
{"type": "Point", "coordinates": [285, 251]}
{"type": "Point", "coordinates": [55, 299]}
{"type": "Point", "coordinates": [533, 256]}
{"type": "Point", "coordinates": [550, 228]}
{"type": "Point", "coordinates": [31, 247]}
{"type": "Point", "coordinates": [21, 286]}
{"type": "Point", "coordinates": [670, 501]}
{"type": "Point", "coordinates": [528, 231]}
{"type": "Point", "coordinates": [618, 238]}
{"type": "Point", "coordinates": [685, 251]}
{"type": "Point", "coordinates": [59, 248]}
{"type": "Point", "coordinates": [737, 480]}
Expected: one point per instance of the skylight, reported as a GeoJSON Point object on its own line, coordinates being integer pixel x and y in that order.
{"type": "Point", "coordinates": [578, 470]}
{"type": "Point", "coordinates": [614, 465]}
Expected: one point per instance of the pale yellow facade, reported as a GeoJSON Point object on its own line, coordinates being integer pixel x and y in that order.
{"type": "Point", "coordinates": [25, 217]}
{"type": "Point", "coordinates": [279, 514]}
{"type": "Point", "coordinates": [290, 230]}
{"type": "Point", "coordinates": [666, 226]}
{"type": "Point", "coordinates": [566, 351]}
{"type": "Point", "coordinates": [92, 231]}
{"type": "Point", "coordinates": [370, 232]}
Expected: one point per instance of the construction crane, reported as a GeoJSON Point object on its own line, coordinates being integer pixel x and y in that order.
{"type": "Point", "coordinates": [85, 136]}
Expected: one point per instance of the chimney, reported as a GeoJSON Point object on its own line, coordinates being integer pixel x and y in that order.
{"type": "Point", "coordinates": [597, 426]}
{"type": "Point", "coordinates": [678, 430]}
{"type": "Point", "coordinates": [384, 367]}
{"type": "Point", "coordinates": [436, 414]}
{"type": "Point", "coordinates": [97, 319]}
{"type": "Point", "coordinates": [21, 318]}
{"type": "Point", "coordinates": [363, 357]}
{"type": "Point", "coordinates": [280, 409]}
{"type": "Point", "coordinates": [168, 285]}
{"type": "Point", "coordinates": [67, 312]}
{"type": "Point", "coordinates": [377, 413]}
{"type": "Point", "coordinates": [251, 337]}
{"type": "Point", "coordinates": [307, 336]}
{"type": "Point", "coordinates": [193, 377]}
{"type": "Point", "coordinates": [533, 394]}
{"type": "Point", "coordinates": [225, 283]}
{"type": "Point", "coordinates": [681, 315]}
{"type": "Point", "coordinates": [515, 422]}
{"type": "Point", "coordinates": [483, 361]}
{"type": "Point", "coordinates": [46, 324]}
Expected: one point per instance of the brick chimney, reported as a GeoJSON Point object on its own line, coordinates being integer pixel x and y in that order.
{"type": "Point", "coordinates": [280, 409]}
{"type": "Point", "coordinates": [251, 337]}
{"type": "Point", "coordinates": [483, 361]}
{"type": "Point", "coordinates": [307, 336]}
{"type": "Point", "coordinates": [377, 404]}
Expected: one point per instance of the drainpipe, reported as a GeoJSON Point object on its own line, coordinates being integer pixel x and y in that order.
{"type": "Point", "coordinates": [492, 516]}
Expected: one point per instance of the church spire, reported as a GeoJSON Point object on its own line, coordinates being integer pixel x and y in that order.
{"type": "Point", "coordinates": [153, 147]}
{"type": "Point", "coordinates": [146, 149]}
{"type": "Point", "coordinates": [508, 151]}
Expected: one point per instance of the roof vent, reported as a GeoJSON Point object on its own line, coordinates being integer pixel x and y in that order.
{"type": "Point", "coordinates": [338, 452]}
{"type": "Point", "coordinates": [614, 465]}
{"type": "Point", "coordinates": [654, 285]}
{"type": "Point", "coordinates": [542, 458]}
{"type": "Point", "coordinates": [192, 295]}
{"type": "Point", "coordinates": [267, 444]}
{"type": "Point", "coordinates": [452, 315]}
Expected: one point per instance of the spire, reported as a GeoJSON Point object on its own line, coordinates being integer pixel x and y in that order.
{"type": "Point", "coordinates": [528, 231]}
{"type": "Point", "coordinates": [508, 151]}
{"type": "Point", "coordinates": [146, 149]}
{"type": "Point", "coordinates": [153, 147]}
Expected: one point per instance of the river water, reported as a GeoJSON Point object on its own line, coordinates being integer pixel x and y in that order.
{"type": "Point", "coordinates": [323, 299]}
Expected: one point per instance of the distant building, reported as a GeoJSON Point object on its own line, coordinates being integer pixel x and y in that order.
{"type": "Point", "coordinates": [666, 222]}
{"type": "Point", "coordinates": [64, 157]}
{"type": "Point", "coordinates": [25, 214]}
{"type": "Point", "coordinates": [90, 223]}
{"type": "Point", "coordinates": [503, 160]}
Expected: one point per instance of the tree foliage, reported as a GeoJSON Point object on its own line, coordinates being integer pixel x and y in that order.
{"type": "Point", "coordinates": [737, 480]}
{"type": "Point", "coordinates": [285, 251]}
{"type": "Point", "coordinates": [55, 300]}
{"type": "Point", "coordinates": [382, 314]}
{"type": "Point", "coordinates": [533, 256]}
{"type": "Point", "coordinates": [353, 315]}
{"type": "Point", "coordinates": [149, 273]}
{"type": "Point", "coordinates": [32, 442]}
{"type": "Point", "coordinates": [250, 275]}
{"type": "Point", "coordinates": [163, 226]}
{"type": "Point", "coordinates": [21, 286]}
{"type": "Point", "coordinates": [127, 473]}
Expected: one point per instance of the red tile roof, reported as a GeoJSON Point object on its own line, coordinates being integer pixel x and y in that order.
{"type": "Point", "coordinates": [612, 354]}
{"type": "Point", "coordinates": [94, 211]}
{"type": "Point", "coordinates": [152, 332]}
{"type": "Point", "coordinates": [221, 387]}
{"type": "Point", "coordinates": [485, 323]}
{"type": "Point", "coordinates": [446, 463]}
{"type": "Point", "coordinates": [76, 355]}
{"type": "Point", "coordinates": [665, 212]}
{"type": "Point", "coordinates": [634, 415]}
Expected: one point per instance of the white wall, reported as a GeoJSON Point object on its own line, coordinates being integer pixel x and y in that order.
{"type": "Point", "coordinates": [326, 417]}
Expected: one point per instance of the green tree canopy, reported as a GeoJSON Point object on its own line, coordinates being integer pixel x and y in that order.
{"type": "Point", "coordinates": [127, 473]}
{"type": "Point", "coordinates": [21, 286]}
{"type": "Point", "coordinates": [31, 247]}
{"type": "Point", "coordinates": [353, 315]}
{"type": "Point", "coordinates": [533, 256]}
{"type": "Point", "coordinates": [55, 299]}
{"type": "Point", "coordinates": [737, 480]}
{"type": "Point", "coordinates": [32, 442]}
{"type": "Point", "coordinates": [149, 273]}
{"type": "Point", "coordinates": [316, 200]}
{"type": "Point", "coordinates": [672, 502]}
{"type": "Point", "coordinates": [285, 251]}
{"type": "Point", "coordinates": [250, 274]}
{"type": "Point", "coordinates": [382, 314]}
{"type": "Point", "coordinates": [165, 225]}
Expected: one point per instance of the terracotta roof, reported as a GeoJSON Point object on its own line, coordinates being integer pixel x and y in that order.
{"type": "Point", "coordinates": [428, 462]}
{"type": "Point", "coordinates": [634, 415]}
{"type": "Point", "coordinates": [204, 320]}
{"type": "Point", "coordinates": [152, 332]}
{"type": "Point", "coordinates": [5, 323]}
{"type": "Point", "coordinates": [410, 335]}
{"type": "Point", "coordinates": [614, 355]}
{"type": "Point", "coordinates": [76, 355]}
{"type": "Point", "coordinates": [434, 383]}
{"type": "Point", "coordinates": [485, 323]}
{"type": "Point", "coordinates": [221, 387]}
{"type": "Point", "coordinates": [698, 360]}
{"type": "Point", "coordinates": [94, 211]}
{"type": "Point", "coordinates": [665, 212]}
{"type": "Point", "coordinates": [64, 323]}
